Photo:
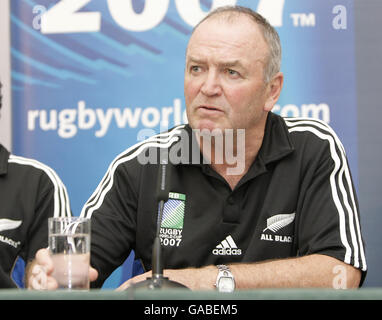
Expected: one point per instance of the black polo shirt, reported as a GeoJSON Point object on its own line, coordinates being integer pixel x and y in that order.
{"type": "Point", "coordinates": [30, 193]}
{"type": "Point", "coordinates": [296, 199]}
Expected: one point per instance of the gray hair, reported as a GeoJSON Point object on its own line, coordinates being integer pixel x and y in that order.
{"type": "Point", "coordinates": [269, 33]}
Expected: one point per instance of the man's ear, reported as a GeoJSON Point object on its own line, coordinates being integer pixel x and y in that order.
{"type": "Point", "coordinates": [274, 91]}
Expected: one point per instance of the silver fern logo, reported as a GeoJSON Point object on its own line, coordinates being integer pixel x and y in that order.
{"type": "Point", "coordinates": [279, 221]}
{"type": "Point", "coordinates": [7, 224]}
{"type": "Point", "coordinates": [276, 223]}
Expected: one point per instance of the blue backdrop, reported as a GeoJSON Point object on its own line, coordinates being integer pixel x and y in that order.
{"type": "Point", "coordinates": [90, 77]}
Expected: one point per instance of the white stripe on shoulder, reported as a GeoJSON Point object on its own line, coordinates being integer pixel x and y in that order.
{"type": "Point", "coordinates": [162, 137]}
{"type": "Point", "coordinates": [323, 131]}
{"type": "Point", "coordinates": [61, 199]}
{"type": "Point", "coordinates": [315, 122]}
{"type": "Point", "coordinates": [162, 140]}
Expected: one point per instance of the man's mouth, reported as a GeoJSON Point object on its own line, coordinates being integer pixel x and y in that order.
{"type": "Point", "coordinates": [210, 108]}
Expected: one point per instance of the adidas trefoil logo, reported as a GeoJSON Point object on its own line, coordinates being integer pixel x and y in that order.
{"type": "Point", "coordinates": [227, 247]}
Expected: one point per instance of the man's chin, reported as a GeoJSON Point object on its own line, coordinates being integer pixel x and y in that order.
{"type": "Point", "coordinates": [207, 125]}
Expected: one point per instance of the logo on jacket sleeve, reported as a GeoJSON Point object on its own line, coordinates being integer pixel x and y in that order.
{"type": "Point", "coordinates": [227, 247]}
{"type": "Point", "coordinates": [172, 220]}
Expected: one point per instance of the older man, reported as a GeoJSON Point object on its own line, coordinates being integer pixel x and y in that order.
{"type": "Point", "coordinates": [282, 214]}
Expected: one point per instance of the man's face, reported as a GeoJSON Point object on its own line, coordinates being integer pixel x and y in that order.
{"type": "Point", "coordinates": [224, 76]}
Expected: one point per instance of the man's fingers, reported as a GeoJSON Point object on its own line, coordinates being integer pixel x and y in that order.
{"type": "Point", "coordinates": [39, 277]}
{"type": "Point", "coordinates": [136, 279]}
{"type": "Point", "coordinates": [44, 259]}
{"type": "Point", "coordinates": [40, 280]}
{"type": "Point", "coordinates": [125, 285]}
{"type": "Point", "coordinates": [93, 274]}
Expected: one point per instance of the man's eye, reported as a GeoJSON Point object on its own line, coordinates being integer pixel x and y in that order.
{"type": "Point", "coordinates": [233, 73]}
{"type": "Point", "coordinates": [195, 69]}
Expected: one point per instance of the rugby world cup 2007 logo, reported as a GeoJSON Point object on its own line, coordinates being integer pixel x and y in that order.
{"type": "Point", "coordinates": [172, 220]}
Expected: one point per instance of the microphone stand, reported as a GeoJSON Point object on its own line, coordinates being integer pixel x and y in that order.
{"type": "Point", "coordinates": [157, 280]}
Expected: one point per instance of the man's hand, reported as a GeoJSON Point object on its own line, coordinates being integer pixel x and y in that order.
{"type": "Point", "coordinates": [39, 272]}
{"type": "Point", "coordinates": [38, 275]}
{"type": "Point", "coordinates": [311, 271]}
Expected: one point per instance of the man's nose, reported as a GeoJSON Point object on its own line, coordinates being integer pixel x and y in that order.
{"type": "Point", "coordinates": [211, 85]}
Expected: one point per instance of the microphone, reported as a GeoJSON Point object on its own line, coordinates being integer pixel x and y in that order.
{"type": "Point", "coordinates": [157, 280]}
{"type": "Point", "coordinates": [162, 196]}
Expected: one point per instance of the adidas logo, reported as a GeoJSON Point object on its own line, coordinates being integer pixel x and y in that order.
{"type": "Point", "coordinates": [227, 247]}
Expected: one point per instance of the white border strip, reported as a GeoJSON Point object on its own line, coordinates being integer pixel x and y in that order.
{"type": "Point", "coordinates": [5, 75]}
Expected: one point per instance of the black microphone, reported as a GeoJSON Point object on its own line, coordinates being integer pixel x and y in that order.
{"type": "Point", "coordinates": [163, 186]}
{"type": "Point", "coordinates": [162, 196]}
{"type": "Point", "coordinates": [157, 280]}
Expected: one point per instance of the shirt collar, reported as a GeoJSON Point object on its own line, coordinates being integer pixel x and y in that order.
{"type": "Point", "coordinates": [276, 143]}
{"type": "Point", "coordinates": [4, 156]}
